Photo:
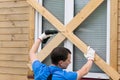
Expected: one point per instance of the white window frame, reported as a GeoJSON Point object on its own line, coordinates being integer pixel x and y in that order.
{"type": "Point", "coordinates": [38, 24]}
{"type": "Point", "coordinates": [69, 13]}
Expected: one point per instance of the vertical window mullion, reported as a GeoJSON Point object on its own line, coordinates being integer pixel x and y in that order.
{"type": "Point", "coordinates": [108, 33]}
{"type": "Point", "coordinates": [69, 12]}
{"type": "Point", "coordinates": [38, 24]}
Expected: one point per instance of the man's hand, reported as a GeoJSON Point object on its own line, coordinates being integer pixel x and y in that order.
{"type": "Point", "coordinates": [46, 35]}
{"type": "Point", "coordinates": [90, 53]}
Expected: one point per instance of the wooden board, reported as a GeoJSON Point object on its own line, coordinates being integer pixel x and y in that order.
{"type": "Point", "coordinates": [13, 17]}
{"type": "Point", "coordinates": [12, 77]}
{"type": "Point", "coordinates": [13, 71]}
{"type": "Point", "coordinates": [13, 4]}
{"type": "Point", "coordinates": [23, 58]}
{"type": "Point", "coordinates": [113, 33]}
{"type": "Point", "coordinates": [14, 10]}
{"type": "Point", "coordinates": [13, 50]}
{"type": "Point", "coordinates": [14, 31]}
{"type": "Point", "coordinates": [80, 44]}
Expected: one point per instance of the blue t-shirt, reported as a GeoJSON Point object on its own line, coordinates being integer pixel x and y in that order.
{"type": "Point", "coordinates": [42, 71]}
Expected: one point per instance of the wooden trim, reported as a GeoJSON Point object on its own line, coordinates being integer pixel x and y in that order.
{"type": "Point", "coordinates": [31, 26]}
{"type": "Point", "coordinates": [31, 33]}
{"type": "Point", "coordinates": [113, 33]}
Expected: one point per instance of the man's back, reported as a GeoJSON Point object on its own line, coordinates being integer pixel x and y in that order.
{"type": "Point", "coordinates": [42, 72]}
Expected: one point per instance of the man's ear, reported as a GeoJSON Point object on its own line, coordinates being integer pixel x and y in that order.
{"type": "Point", "coordinates": [60, 62]}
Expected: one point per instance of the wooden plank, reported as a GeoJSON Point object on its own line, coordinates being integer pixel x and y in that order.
{"type": "Point", "coordinates": [83, 14]}
{"type": "Point", "coordinates": [14, 21]}
{"type": "Point", "coordinates": [32, 26]}
{"type": "Point", "coordinates": [12, 77]}
{"type": "Point", "coordinates": [12, 44]}
{"type": "Point", "coordinates": [79, 18]}
{"type": "Point", "coordinates": [5, 37]}
{"type": "Point", "coordinates": [13, 4]}
{"type": "Point", "coordinates": [119, 35]}
{"type": "Point", "coordinates": [98, 61]}
{"type": "Point", "coordinates": [11, 57]}
{"type": "Point", "coordinates": [14, 71]}
{"type": "Point", "coordinates": [58, 39]}
{"type": "Point", "coordinates": [53, 20]}
{"type": "Point", "coordinates": [118, 46]}
{"type": "Point", "coordinates": [113, 33]}
{"type": "Point", "coordinates": [11, 0]}
{"type": "Point", "coordinates": [13, 24]}
{"type": "Point", "coordinates": [51, 45]}
{"type": "Point", "coordinates": [14, 17]}
{"type": "Point", "coordinates": [13, 51]}
{"type": "Point", "coordinates": [13, 64]}
{"type": "Point", "coordinates": [20, 37]}
{"type": "Point", "coordinates": [14, 37]}
{"type": "Point", "coordinates": [22, 10]}
{"type": "Point", "coordinates": [83, 47]}
{"type": "Point", "coordinates": [14, 31]}
{"type": "Point", "coordinates": [31, 33]}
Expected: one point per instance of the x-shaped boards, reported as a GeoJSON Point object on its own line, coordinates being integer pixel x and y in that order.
{"type": "Point", "coordinates": [67, 32]}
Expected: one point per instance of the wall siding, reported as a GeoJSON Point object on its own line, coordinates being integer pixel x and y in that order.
{"type": "Point", "coordinates": [119, 36]}
{"type": "Point", "coordinates": [14, 39]}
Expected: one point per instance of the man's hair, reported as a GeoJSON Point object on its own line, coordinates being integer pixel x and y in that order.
{"type": "Point", "coordinates": [59, 53]}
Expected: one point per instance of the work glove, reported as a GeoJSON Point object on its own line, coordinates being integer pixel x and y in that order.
{"type": "Point", "coordinates": [90, 53]}
{"type": "Point", "coordinates": [46, 35]}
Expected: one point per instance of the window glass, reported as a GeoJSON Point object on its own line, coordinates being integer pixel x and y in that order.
{"type": "Point", "coordinates": [93, 32]}
{"type": "Point", "coordinates": [56, 7]}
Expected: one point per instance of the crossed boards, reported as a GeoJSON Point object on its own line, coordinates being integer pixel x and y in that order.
{"type": "Point", "coordinates": [67, 32]}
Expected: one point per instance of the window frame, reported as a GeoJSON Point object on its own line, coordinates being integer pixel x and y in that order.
{"type": "Point", "coordinates": [38, 21]}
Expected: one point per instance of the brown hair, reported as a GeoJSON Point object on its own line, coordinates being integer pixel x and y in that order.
{"type": "Point", "coordinates": [59, 53]}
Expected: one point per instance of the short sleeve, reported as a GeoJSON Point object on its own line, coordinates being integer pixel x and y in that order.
{"type": "Point", "coordinates": [40, 70]}
{"type": "Point", "coordinates": [37, 66]}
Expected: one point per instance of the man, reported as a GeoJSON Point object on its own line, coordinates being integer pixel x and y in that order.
{"type": "Point", "coordinates": [60, 58]}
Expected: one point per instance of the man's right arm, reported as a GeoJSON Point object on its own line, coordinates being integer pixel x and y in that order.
{"type": "Point", "coordinates": [42, 38]}
{"type": "Point", "coordinates": [85, 69]}
{"type": "Point", "coordinates": [34, 49]}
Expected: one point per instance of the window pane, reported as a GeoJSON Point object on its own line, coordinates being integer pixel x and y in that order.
{"type": "Point", "coordinates": [56, 7]}
{"type": "Point", "coordinates": [93, 32]}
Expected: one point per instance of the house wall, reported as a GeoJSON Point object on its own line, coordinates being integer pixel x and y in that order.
{"type": "Point", "coordinates": [14, 39]}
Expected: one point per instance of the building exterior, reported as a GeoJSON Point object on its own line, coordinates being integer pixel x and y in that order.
{"type": "Point", "coordinates": [97, 25]}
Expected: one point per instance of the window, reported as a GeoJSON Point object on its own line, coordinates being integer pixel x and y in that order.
{"type": "Point", "coordinates": [94, 31]}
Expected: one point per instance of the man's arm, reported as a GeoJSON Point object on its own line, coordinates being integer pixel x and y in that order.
{"type": "Point", "coordinates": [34, 49]}
{"type": "Point", "coordinates": [42, 38]}
{"type": "Point", "coordinates": [85, 69]}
